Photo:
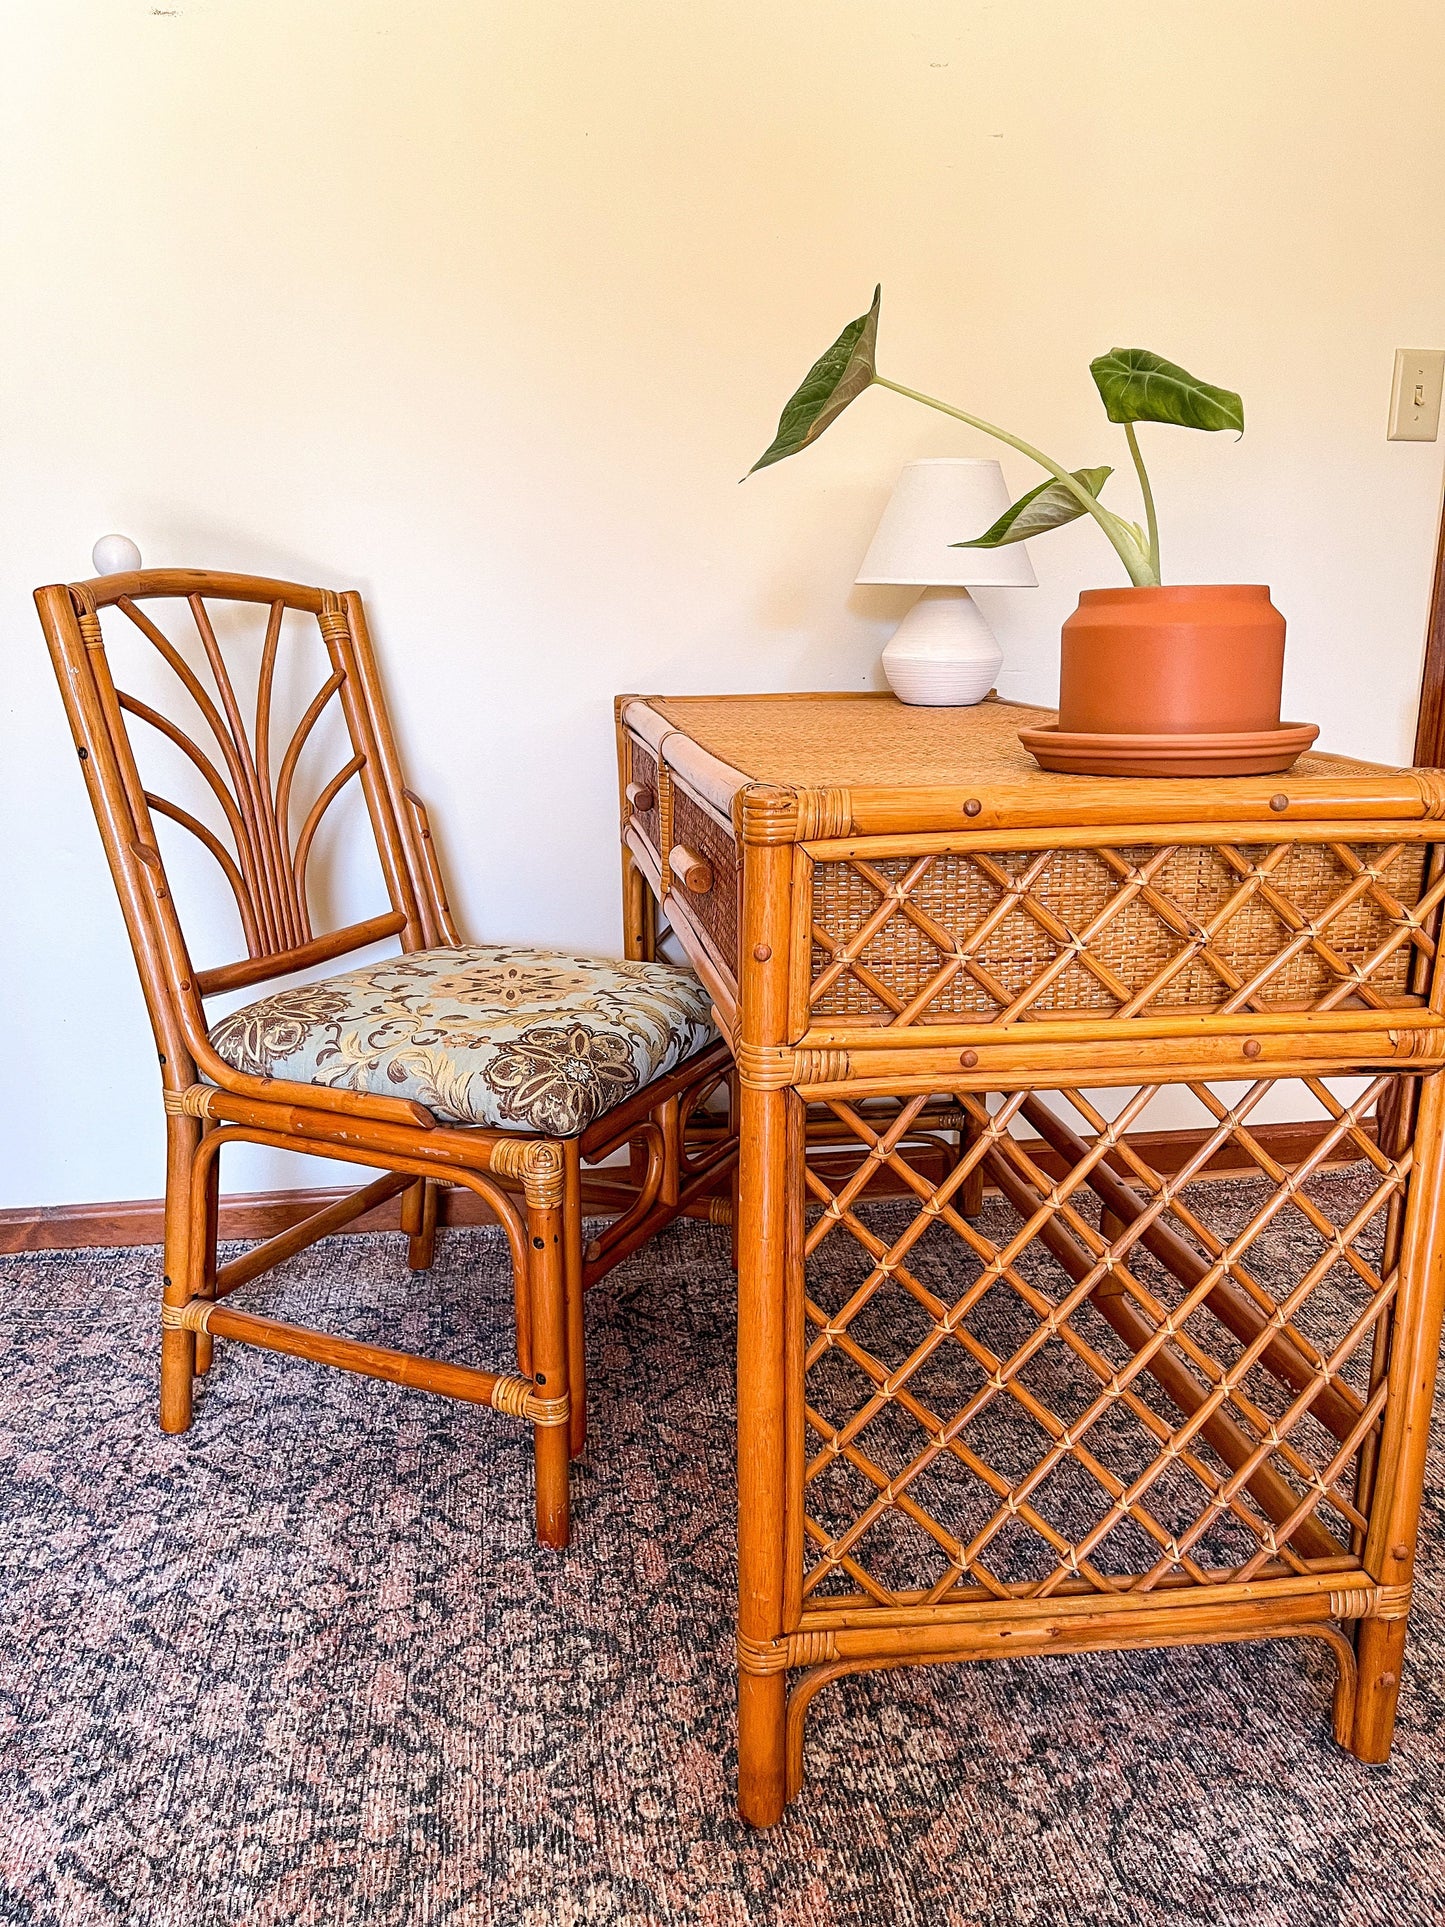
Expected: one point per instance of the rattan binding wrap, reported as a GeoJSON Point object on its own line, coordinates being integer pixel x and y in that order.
{"type": "Point", "coordinates": [795, 1649]}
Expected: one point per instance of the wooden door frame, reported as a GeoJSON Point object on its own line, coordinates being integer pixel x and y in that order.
{"type": "Point", "coordinates": [1430, 728]}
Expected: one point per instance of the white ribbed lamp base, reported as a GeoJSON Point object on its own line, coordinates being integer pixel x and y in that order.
{"type": "Point", "coordinates": [943, 654]}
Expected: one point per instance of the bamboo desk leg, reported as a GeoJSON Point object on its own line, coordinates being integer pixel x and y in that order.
{"type": "Point", "coordinates": [762, 1697]}
{"type": "Point", "coordinates": [1395, 1511]}
{"type": "Point", "coordinates": [764, 1184]}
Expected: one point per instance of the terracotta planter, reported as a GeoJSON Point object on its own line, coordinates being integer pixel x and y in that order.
{"type": "Point", "coordinates": [1171, 682]}
{"type": "Point", "coordinates": [1172, 661]}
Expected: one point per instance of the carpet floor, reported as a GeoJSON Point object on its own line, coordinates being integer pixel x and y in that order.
{"type": "Point", "coordinates": [305, 1665]}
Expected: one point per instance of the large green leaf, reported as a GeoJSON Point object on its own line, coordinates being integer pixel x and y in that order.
{"type": "Point", "coordinates": [835, 379]}
{"type": "Point", "coordinates": [1048, 506]}
{"type": "Point", "coordinates": [1141, 387]}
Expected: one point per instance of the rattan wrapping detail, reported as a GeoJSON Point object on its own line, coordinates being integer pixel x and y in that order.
{"type": "Point", "coordinates": [717, 909]}
{"type": "Point", "coordinates": [1037, 934]}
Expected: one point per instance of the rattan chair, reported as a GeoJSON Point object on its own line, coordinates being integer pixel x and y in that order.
{"type": "Point", "coordinates": [497, 1070]}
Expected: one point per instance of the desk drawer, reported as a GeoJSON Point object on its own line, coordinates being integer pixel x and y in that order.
{"type": "Point", "coordinates": [989, 935]}
{"type": "Point", "coordinates": [717, 907]}
{"type": "Point", "coordinates": [645, 787]}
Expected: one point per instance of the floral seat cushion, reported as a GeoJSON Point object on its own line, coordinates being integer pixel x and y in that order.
{"type": "Point", "coordinates": [523, 1040]}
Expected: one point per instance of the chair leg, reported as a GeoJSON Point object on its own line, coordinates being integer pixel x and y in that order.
{"type": "Point", "coordinates": [419, 1222]}
{"type": "Point", "coordinates": [735, 1224]}
{"type": "Point", "coordinates": [178, 1348]}
{"type": "Point", "coordinates": [547, 1276]}
{"type": "Point", "coordinates": [206, 1261]}
{"type": "Point", "coordinates": [970, 1193]}
{"type": "Point", "coordinates": [572, 1278]}
{"type": "Point", "coordinates": [735, 1217]}
{"type": "Point", "coordinates": [670, 1121]}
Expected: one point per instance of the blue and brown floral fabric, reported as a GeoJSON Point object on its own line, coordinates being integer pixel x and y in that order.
{"type": "Point", "coordinates": [523, 1040]}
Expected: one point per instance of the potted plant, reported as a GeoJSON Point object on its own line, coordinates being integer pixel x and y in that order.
{"type": "Point", "coordinates": [1154, 679]}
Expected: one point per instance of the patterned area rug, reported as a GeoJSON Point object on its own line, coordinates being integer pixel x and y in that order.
{"type": "Point", "coordinates": [305, 1665]}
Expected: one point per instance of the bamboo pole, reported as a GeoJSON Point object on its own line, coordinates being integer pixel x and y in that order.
{"type": "Point", "coordinates": [1400, 1469]}
{"type": "Point", "coordinates": [573, 1281]}
{"type": "Point", "coordinates": [548, 1291]}
{"type": "Point", "coordinates": [766, 1183]}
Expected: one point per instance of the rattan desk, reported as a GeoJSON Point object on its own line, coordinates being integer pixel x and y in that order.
{"type": "Point", "coordinates": [1010, 1379]}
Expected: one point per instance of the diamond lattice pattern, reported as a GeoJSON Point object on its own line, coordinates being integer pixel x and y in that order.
{"type": "Point", "coordinates": [1005, 935]}
{"type": "Point", "coordinates": [1108, 1377]}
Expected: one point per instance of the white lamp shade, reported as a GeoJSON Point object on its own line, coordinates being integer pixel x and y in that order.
{"type": "Point", "coordinates": [937, 503]}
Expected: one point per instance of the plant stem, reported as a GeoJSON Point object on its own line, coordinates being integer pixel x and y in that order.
{"type": "Point", "coordinates": [1148, 494]}
{"type": "Point", "coordinates": [1143, 572]}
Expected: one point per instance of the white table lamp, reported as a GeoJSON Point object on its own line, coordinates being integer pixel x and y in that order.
{"type": "Point", "coordinates": [943, 652]}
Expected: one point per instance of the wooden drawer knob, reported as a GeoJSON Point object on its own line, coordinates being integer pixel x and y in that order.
{"type": "Point", "coordinates": [640, 798]}
{"type": "Point", "coordinates": [691, 870]}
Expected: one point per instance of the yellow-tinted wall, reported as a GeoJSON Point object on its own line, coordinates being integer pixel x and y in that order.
{"type": "Point", "coordinates": [485, 308]}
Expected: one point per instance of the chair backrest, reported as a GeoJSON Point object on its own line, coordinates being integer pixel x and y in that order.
{"type": "Point", "coordinates": [264, 859]}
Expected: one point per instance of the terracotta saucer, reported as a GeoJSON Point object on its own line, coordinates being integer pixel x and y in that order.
{"type": "Point", "coordinates": [1263, 752]}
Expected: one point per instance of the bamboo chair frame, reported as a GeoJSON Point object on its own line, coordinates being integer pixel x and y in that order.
{"type": "Point", "coordinates": [530, 1182]}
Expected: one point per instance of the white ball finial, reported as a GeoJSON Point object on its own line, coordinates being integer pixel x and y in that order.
{"type": "Point", "coordinates": [115, 555]}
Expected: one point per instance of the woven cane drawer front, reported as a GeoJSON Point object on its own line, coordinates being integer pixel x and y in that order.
{"type": "Point", "coordinates": [716, 909]}
{"type": "Point", "coordinates": [1003, 935]}
{"type": "Point", "coordinates": [643, 772]}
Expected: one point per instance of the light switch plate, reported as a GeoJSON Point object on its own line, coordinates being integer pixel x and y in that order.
{"type": "Point", "coordinates": [1415, 394]}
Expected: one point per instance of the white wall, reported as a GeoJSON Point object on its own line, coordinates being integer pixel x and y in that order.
{"type": "Point", "coordinates": [484, 308]}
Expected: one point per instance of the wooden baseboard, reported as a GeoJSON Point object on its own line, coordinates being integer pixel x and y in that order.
{"type": "Point", "coordinates": [250, 1215]}
{"type": "Point", "coordinates": [261, 1214]}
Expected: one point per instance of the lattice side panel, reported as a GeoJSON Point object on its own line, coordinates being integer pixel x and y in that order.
{"type": "Point", "coordinates": [1111, 1378]}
